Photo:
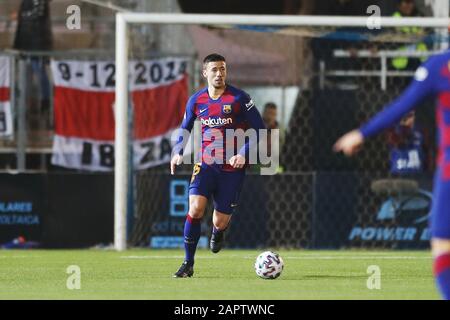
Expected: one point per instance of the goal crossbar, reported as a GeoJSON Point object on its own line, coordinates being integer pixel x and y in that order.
{"type": "Point", "coordinates": [282, 20]}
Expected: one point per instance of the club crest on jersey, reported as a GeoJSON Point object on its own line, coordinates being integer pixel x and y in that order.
{"type": "Point", "coordinates": [226, 108]}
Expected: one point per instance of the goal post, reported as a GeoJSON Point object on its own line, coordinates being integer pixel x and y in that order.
{"type": "Point", "coordinates": [121, 86]}
{"type": "Point", "coordinates": [121, 135]}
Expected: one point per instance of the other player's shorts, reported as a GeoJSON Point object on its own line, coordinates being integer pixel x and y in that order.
{"type": "Point", "coordinates": [223, 186]}
{"type": "Point", "coordinates": [440, 212]}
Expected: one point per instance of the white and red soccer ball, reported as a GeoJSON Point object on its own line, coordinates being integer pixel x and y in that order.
{"type": "Point", "coordinates": [269, 265]}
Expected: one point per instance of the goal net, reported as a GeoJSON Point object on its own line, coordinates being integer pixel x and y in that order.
{"type": "Point", "coordinates": [325, 76]}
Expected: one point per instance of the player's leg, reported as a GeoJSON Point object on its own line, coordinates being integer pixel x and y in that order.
{"type": "Point", "coordinates": [226, 198]}
{"type": "Point", "coordinates": [199, 191]}
{"type": "Point", "coordinates": [192, 231]}
{"type": "Point", "coordinates": [441, 268]}
{"type": "Point", "coordinates": [192, 226]}
{"type": "Point", "coordinates": [440, 231]}
{"type": "Point", "coordinates": [221, 221]}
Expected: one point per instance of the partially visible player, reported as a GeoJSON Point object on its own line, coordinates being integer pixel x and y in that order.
{"type": "Point", "coordinates": [432, 78]}
{"type": "Point", "coordinates": [219, 107]}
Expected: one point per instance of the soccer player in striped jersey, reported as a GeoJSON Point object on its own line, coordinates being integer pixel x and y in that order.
{"type": "Point", "coordinates": [220, 108]}
{"type": "Point", "coordinates": [431, 79]}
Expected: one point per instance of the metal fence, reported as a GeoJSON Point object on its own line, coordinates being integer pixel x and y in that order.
{"type": "Point", "coordinates": [320, 199]}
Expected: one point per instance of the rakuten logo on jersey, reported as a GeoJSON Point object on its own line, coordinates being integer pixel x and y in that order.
{"type": "Point", "coordinates": [215, 122]}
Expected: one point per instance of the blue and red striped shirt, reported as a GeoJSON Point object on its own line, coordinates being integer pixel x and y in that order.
{"type": "Point", "coordinates": [234, 109]}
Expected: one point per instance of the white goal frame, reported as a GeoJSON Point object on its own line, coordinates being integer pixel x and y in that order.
{"type": "Point", "coordinates": [121, 110]}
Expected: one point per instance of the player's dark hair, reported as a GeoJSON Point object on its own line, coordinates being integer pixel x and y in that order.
{"type": "Point", "coordinates": [213, 57]}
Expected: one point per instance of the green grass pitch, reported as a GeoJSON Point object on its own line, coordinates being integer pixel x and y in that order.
{"type": "Point", "coordinates": [147, 274]}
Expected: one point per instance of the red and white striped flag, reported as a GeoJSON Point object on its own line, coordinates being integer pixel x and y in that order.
{"type": "Point", "coordinates": [6, 123]}
{"type": "Point", "coordinates": [84, 111]}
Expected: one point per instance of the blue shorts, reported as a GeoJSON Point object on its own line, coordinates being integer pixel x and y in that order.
{"type": "Point", "coordinates": [440, 212]}
{"type": "Point", "coordinates": [224, 186]}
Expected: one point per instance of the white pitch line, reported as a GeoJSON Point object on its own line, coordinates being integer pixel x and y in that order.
{"type": "Point", "coordinates": [306, 257]}
{"type": "Point", "coordinates": [361, 258]}
{"type": "Point", "coordinates": [17, 257]}
{"type": "Point", "coordinates": [294, 257]}
{"type": "Point", "coordinates": [153, 257]}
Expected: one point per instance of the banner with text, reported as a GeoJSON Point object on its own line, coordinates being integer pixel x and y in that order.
{"type": "Point", "coordinates": [84, 111]}
{"type": "Point", "coordinates": [6, 123]}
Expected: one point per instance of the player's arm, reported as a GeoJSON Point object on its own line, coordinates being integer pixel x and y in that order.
{"type": "Point", "coordinates": [252, 116]}
{"type": "Point", "coordinates": [185, 129]}
{"type": "Point", "coordinates": [421, 86]}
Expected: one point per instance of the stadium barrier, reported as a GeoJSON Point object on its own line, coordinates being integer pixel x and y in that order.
{"type": "Point", "coordinates": [57, 210]}
{"type": "Point", "coordinates": [309, 211]}
{"type": "Point", "coordinates": [322, 210]}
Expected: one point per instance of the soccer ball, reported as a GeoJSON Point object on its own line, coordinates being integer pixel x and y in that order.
{"type": "Point", "coordinates": [268, 265]}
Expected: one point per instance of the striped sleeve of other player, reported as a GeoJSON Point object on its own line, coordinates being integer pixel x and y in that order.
{"type": "Point", "coordinates": [422, 85]}
{"type": "Point", "coordinates": [253, 118]}
{"type": "Point", "coordinates": [186, 125]}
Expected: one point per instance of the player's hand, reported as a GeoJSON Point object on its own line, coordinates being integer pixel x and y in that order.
{"type": "Point", "coordinates": [237, 161]}
{"type": "Point", "coordinates": [176, 161]}
{"type": "Point", "coordinates": [349, 143]}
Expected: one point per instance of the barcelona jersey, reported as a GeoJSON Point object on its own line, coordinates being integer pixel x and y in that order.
{"type": "Point", "coordinates": [431, 79]}
{"type": "Point", "coordinates": [234, 109]}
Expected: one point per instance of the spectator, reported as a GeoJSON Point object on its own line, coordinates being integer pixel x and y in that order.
{"type": "Point", "coordinates": [407, 160]}
{"type": "Point", "coordinates": [270, 115]}
{"type": "Point", "coordinates": [34, 33]}
{"type": "Point", "coordinates": [34, 26]}
{"type": "Point", "coordinates": [407, 8]}
{"type": "Point", "coordinates": [407, 147]}
{"type": "Point", "coordinates": [270, 121]}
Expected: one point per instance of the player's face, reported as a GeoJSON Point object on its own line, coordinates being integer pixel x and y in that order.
{"type": "Point", "coordinates": [215, 73]}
